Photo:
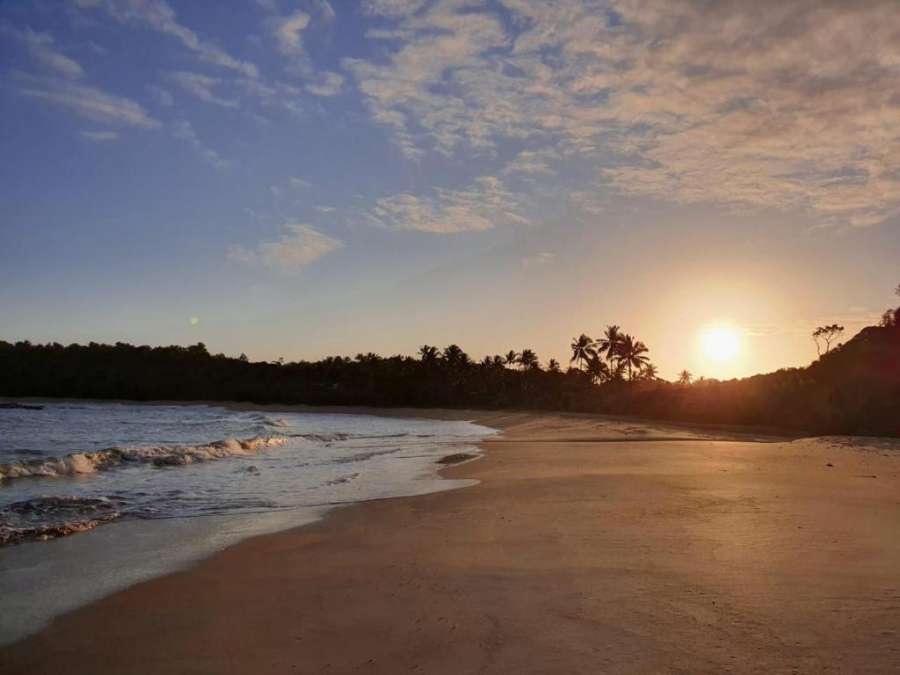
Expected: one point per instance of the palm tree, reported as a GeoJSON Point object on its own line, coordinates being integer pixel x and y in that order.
{"type": "Point", "coordinates": [498, 361]}
{"type": "Point", "coordinates": [528, 359]}
{"type": "Point", "coordinates": [650, 372]}
{"type": "Point", "coordinates": [685, 377]}
{"type": "Point", "coordinates": [598, 370]}
{"type": "Point", "coordinates": [428, 353]}
{"type": "Point", "coordinates": [455, 356]}
{"type": "Point", "coordinates": [609, 343]}
{"type": "Point", "coordinates": [553, 366]}
{"type": "Point", "coordinates": [512, 357]}
{"type": "Point", "coordinates": [617, 370]}
{"type": "Point", "coordinates": [631, 353]}
{"type": "Point", "coordinates": [582, 350]}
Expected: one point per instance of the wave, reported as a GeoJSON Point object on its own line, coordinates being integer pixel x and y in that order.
{"type": "Point", "coordinates": [341, 479]}
{"type": "Point", "coordinates": [26, 451]}
{"type": "Point", "coordinates": [18, 535]}
{"type": "Point", "coordinates": [164, 455]}
{"type": "Point", "coordinates": [62, 516]}
{"type": "Point", "coordinates": [361, 456]}
{"type": "Point", "coordinates": [344, 436]}
{"type": "Point", "coordinates": [323, 438]}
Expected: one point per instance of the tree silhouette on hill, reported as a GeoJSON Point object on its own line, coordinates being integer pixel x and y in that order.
{"type": "Point", "coordinates": [827, 334]}
{"type": "Point", "coordinates": [853, 388]}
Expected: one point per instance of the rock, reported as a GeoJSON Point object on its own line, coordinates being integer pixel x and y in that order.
{"type": "Point", "coordinates": [456, 458]}
{"type": "Point", "coordinates": [19, 406]}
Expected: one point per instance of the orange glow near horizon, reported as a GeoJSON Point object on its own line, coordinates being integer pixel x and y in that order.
{"type": "Point", "coordinates": [721, 345]}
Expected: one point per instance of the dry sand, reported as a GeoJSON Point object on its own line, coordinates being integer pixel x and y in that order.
{"type": "Point", "coordinates": [589, 546]}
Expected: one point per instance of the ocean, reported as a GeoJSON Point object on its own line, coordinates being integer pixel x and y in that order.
{"type": "Point", "coordinates": [97, 496]}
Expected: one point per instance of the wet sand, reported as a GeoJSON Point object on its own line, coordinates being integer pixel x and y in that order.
{"type": "Point", "coordinates": [590, 546]}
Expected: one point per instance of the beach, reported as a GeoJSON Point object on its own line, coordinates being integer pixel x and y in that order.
{"type": "Point", "coordinates": [588, 546]}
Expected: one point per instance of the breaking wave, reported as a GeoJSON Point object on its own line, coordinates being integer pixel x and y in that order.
{"type": "Point", "coordinates": [43, 518]}
{"type": "Point", "coordinates": [164, 455]}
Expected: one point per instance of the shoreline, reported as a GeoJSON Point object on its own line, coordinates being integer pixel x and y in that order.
{"type": "Point", "coordinates": [567, 556]}
{"type": "Point", "coordinates": [140, 550]}
{"type": "Point", "coordinates": [505, 416]}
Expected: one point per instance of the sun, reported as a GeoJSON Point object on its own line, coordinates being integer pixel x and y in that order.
{"type": "Point", "coordinates": [721, 343]}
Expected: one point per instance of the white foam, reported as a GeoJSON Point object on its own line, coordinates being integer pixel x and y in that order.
{"type": "Point", "coordinates": [163, 455]}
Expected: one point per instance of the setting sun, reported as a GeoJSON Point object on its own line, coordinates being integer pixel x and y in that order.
{"type": "Point", "coordinates": [720, 343]}
{"type": "Point", "coordinates": [557, 301]}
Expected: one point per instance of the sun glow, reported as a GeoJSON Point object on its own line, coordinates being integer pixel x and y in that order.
{"type": "Point", "coordinates": [721, 342]}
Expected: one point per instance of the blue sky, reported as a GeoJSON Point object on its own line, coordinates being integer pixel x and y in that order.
{"type": "Point", "coordinates": [300, 179]}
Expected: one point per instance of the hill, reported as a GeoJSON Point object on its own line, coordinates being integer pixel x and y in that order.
{"type": "Point", "coordinates": [853, 389]}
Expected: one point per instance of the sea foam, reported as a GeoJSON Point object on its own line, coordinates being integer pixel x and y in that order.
{"type": "Point", "coordinates": [163, 455]}
{"type": "Point", "coordinates": [58, 516]}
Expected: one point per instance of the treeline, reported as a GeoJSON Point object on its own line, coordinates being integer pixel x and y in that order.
{"type": "Point", "coordinates": [852, 389]}
{"type": "Point", "coordinates": [437, 378]}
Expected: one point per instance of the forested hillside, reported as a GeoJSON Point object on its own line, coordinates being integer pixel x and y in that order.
{"type": "Point", "coordinates": [852, 389]}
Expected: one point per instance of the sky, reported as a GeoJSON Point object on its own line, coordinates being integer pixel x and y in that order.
{"type": "Point", "coordinates": [300, 178]}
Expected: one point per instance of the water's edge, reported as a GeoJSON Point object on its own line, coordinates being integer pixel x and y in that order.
{"type": "Point", "coordinates": [142, 540]}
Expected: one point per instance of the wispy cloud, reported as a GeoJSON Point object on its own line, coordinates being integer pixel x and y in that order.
{"type": "Point", "coordinates": [292, 184]}
{"type": "Point", "coordinates": [201, 87]}
{"type": "Point", "coordinates": [421, 90]}
{"type": "Point", "coordinates": [788, 105]}
{"type": "Point", "coordinates": [89, 102]}
{"type": "Point", "coordinates": [326, 84]}
{"type": "Point", "coordinates": [853, 319]}
{"type": "Point", "coordinates": [183, 130]}
{"type": "Point", "coordinates": [532, 162]}
{"type": "Point", "coordinates": [100, 136]}
{"type": "Point", "coordinates": [298, 246]}
{"type": "Point", "coordinates": [161, 96]}
{"type": "Point", "coordinates": [158, 15]}
{"type": "Point", "coordinates": [41, 48]}
{"type": "Point", "coordinates": [287, 32]}
{"type": "Point", "coordinates": [538, 259]}
{"type": "Point", "coordinates": [742, 114]}
{"type": "Point", "coordinates": [482, 206]}
{"type": "Point", "coordinates": [393, 8]}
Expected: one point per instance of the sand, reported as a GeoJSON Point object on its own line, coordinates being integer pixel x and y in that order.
{"type": "Point", "coordinates": [590, 546]}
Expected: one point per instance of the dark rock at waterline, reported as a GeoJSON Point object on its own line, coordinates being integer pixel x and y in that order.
{"type": "Point", "coordinates": [19, 406]}
{"type": "Point", "coordinates": [456, 458]}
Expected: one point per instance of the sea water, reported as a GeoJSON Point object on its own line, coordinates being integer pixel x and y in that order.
{"type": "Point", "coordinates": [97, 496]}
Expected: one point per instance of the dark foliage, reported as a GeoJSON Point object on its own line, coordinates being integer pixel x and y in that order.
{"type": "Point", "coordinates": [124, 371]}
{"type": "Point", "coordinates": [853, 389]}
